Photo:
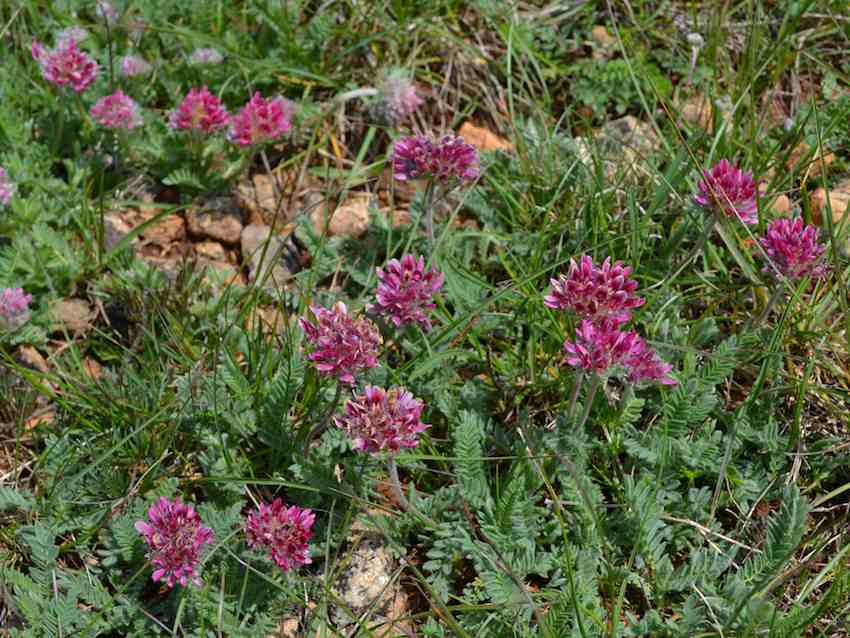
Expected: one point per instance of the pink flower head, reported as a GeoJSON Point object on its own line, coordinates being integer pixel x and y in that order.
{"type": "Point", "coordinates": [447, 158]}
{"type": "Point", "coordinates": [7, 187]}
{"type": "Point", "coordinates": [201, 57]}
{"type": "Point", "coordinates": [133, 66]}
{"type": "Point", "coordinates": [794, 249]}
{"type": "Point", "coordinates": [729, 190]}
{"type": "Point", "coordinates": [406, 291]}
{"type": "Point", "coordinates": [383, 420]}
{"type": "Point", "coordinates": [285, 531]}
{"type": "Point", "coordinates": [199, 111]}
{"type": "Point", "coordinates": [65, 65]}
{"type": "Point", "coordinates": [14, 307]}
{"type": "Point", "coordinates": [398, 97]}
{"type": "Point", "coordinates": [644, 365]}
{"type": "Point", "coordinates": [175, 538]}
{"type": "Point", "coordinates": [599, 347]}
{"type": "Point", "coordinates": [117, 111]}
{"type": "Point", "coordinates": [595, 292]}
{"type": "Point", "coordinates": [261, 120]}
{"type": "Point", "coordinates": [343, 346]}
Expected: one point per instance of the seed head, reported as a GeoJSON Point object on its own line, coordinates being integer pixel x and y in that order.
{"type": "Point", "coordinates": [794, 249]}
{"type": "Point", "coordinates": [343, 346]}
{"type": "Point", "coordinates": [595, 292]}
{"type": "Point", "coordinates": [202, 57]}
{"type": "Point", "coordinates": [449, 158]}
{"type": "Point", "coordinates": [133, 66]}
{"type": "Point", "coordinates": [383, 420]}
{"type": "Point", "coordinates": [728, 190]}
{"type": "Point", "coordinates": [175, 538]}
{"type": "Point", "coordinates": [284, 531]}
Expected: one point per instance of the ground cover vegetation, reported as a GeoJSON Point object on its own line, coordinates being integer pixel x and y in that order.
{"type": "Point", "coordinates": [398, 318]}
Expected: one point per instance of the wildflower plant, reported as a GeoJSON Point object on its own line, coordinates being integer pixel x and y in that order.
{"type": "Point", "coordinates": [261, 120]}
{"type": "Point", "coordinates": [65, 65]}
{"type": "Point", "coordinates": [728, 191]}
{"type": "Point", "coordinates": [397, 99]}
{"type": "Point", "coordinates": [343, 346]}
{"type": "Point", "coordinates": [406, 290]}
{"type": "Point", "coordinates": [793, 250]}
{"type": "Point", "coordinates": [175, 538]}
{"type": "Point", "coordinates": [132, 66]}
{"type": "Point", "coordinates": [117, 111]}
{"type": "Point", "coordinates": [200, 112]}
{"type": "Point", "coordinates": [14, 307]}
{"type": "Point", "coordinates": [444, 163]}
{"type": "Point", "coordinates": [284, 532]}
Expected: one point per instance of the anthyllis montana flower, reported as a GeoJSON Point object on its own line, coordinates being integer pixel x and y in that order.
{"type": "Point", "coordinates": [643, 365]}
{"type": "Point", "coordinates": [793, 249]}
{"type": "Point", "coordinates": [65, 65]}
{"type": "Point", "coordinates": [199, 111]}
{"type": "Point", "coordinates": [14, 307]}
{"type": "Point", "coordinates": [175, 538]}
{"type": "Point", "coordinates": [117, 111]}
{"type": "Point", "coordinates": [397, 99]}
{"type": "Point", "coordinates": [133, 66]}
{"type": "Point", "coordinates": [343, 346]}
{"type": "Point", "coordinates": [200, 57]}
{"type": "Point", "coordinates": [382, 420]}
{"type": "Point", "coordinates": [284, 531]}
{"type": "Point", "coordinates": [406, 291]}
{"type": "Point", "coordinates": [600, 347]}
{"type": "Point", "coordinates": [7, 187]}
{"type": "Point", "coordinates": [447, 158]}
{"type": "Point", "coordinates": [595, 292]}
{"type": "Point", "coordinates": [728, 190]}
{"type": "Point", "coordinates": [261, 120]}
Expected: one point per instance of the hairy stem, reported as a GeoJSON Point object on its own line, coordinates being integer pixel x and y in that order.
{"type": "Point", "coordinates": [571, 411]}
{"type": "Point", "coordinates": [326, 419]}
{"type": "Point", "coordinates": [395, 482]}
{"type": "Point", "coordinates": [588, 402]}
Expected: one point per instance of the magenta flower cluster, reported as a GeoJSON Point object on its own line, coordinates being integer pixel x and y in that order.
{"type": "Point", "coordinates": [7, 187]}
{"type": "Point", "coordinates": [449, 158]}
{"type": "Point", "coordinates": [284, 532]}
{"type": "Point", "coordinates": [14, 306]}
{"type": "Point", "coordinates": [117, 111]}
{"type": "Point", "coordinates": [66, 65]}
{"type": "Point", "coordinates": [200, 111]}
{"type": "Point", "coordinates": [595, 292]}
{"type": "Point", "coordinates": [793, 249]}
{"type": "Point", "coordinates": [406, 291]}
{"type": "Point", "coordinates": [343, 345]}
{"type": "Point", "coordinates": [175, 538]}
{"type": "Point", "coordinates": [729, 191]}
{"type": "Point", "coordinates": [382, 420]}
{"type": "Point", "coordinates": [603, 297]}
{"type": "Point", "coordinates": [261, 120]}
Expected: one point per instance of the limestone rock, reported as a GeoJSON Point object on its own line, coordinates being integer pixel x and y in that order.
{"type": "Point", "coordinates": [279, 263]}
{"type": "Point", "coordinates": [71, 315]}
{"type": "Point", "coordinates": [169, 229]}
{"type": "Point", "coordinates": [218, 218]}
{"type": "Point", "coordinates": [211, 250]}
{"type": "Point", "coordinates": [32, 358]}
{"type": "Point", "coordinates": [483, 139]}
{"type": "Point", "coordinates": [115, 228]}
{"type": "Point", "coordinates": [839, 201]}
{"type": "Point", "coordinates": [259, 200]}
{"type": "Point", "coordinates": [351, 219]}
